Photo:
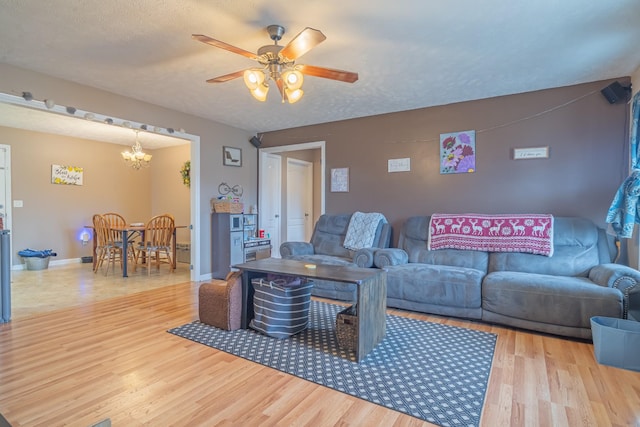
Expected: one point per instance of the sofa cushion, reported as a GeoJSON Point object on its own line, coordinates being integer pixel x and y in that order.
{"type": "Point", "coordinates": [575, 252]}
{"type": "Point", "coordinates": [330, 231]}
{"type": "Point", "coordinates": [435, 284]}
{"type": "Point", "coordinates": [323, 259]}
{"type": "Point", "coordinates": [559, 300]}
{"type": "Point", "coordinates": [328, 235]}
{"type": "Point", "coordinates": [414, 237]}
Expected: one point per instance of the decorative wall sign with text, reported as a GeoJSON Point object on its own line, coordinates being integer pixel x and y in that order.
{"type": "Point", "coordinates": [458, 152]}
{"type": "Point", "coordinates": [66, 175]}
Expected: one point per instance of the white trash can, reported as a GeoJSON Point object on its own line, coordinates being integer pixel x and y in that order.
{"type": "Point", "coordinates": [37, 263]}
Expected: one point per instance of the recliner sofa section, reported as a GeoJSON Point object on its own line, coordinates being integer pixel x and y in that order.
{"type": "Point", "coordinates": [556, 295]}
{"type": "Point", "coordinates": [327, 247]}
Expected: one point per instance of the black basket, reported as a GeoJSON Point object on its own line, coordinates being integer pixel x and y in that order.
{"type": "Point", "coordinates": [281, 305]}
{"type": "Point", "coordinates": [347, 328]}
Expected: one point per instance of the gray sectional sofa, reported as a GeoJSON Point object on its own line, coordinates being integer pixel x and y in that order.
{"type": "Point", "coordinates": [557, 294]}
{"type": "Point", "coordinates": [327, 247]}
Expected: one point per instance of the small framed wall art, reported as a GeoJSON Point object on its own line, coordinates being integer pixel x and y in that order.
{"type": "Point", "coordinates": [458, 152]}
{"type": "Point", "coordinates": [231, 156]}
{"type": "Point", "coordinates": [340, 180]}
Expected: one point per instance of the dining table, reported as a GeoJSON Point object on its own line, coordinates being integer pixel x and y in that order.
{"type": "Point", "coordinates": [128, 231]}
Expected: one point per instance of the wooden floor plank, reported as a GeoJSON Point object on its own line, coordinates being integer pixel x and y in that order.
{"type": "Point", "coordinates": [112, 358]}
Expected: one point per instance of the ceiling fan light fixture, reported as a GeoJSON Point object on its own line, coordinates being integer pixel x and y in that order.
{"type": "Point", "coordinates": [294, 95]}
{"type": "Point", "coordinates": [279, 64]}
{"type": "Point", "coordinates": [293, 79]}
{"type": "Point", "coordinates": [260, 92]}
{"type": "Point", "coordinates": [253, 78]}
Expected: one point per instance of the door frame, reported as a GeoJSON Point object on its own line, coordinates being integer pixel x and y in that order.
{"type": "Point", "coordinates": [321, 145]}
{"type": "Point", "coordinates": [8, 209]}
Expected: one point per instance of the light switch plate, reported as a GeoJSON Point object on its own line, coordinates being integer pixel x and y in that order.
{"type": "Point", "coordinates": [17, 203]}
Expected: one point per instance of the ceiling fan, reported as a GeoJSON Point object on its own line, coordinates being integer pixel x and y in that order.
{"type": "Point", "coordinates": [278, 64]}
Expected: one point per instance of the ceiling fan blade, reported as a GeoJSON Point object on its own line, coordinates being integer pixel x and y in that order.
{"type": "Point", "coordinates": [226, 77]}
{"type": "Point", "coordinates": [306, 40]}
{"type": "Point", "coordinates": [328, 73]}
{"type": "Point", "coordinates": [223, 45]}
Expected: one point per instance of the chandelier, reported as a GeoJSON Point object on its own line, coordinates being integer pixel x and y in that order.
{"type": "Point", "coordinates": [136, 158]}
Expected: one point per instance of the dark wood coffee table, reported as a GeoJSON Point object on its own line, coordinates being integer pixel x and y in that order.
{"type": "Point", "coordinates": [371, 286]}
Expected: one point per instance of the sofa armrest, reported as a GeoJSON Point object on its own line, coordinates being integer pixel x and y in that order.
{"type": "Point", "coordinates": [364, 257]}
{"type": "Point", "coordinates": [615, 276]}
{"type": "Point", "coordinates": [621, 277]}
{"type": "Point", "coordinates": [296, 248]}
{"type": "Point", "coordinates": [390, 256]}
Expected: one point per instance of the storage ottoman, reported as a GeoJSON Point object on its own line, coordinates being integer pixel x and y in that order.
{"type": "Point", "coordinates": [220, 304]}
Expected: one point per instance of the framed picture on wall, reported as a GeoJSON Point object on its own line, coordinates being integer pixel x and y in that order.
{"type": "Point", "coordinates": [231, 156]}
{"type": "Point", "coordinates": [340, 180]}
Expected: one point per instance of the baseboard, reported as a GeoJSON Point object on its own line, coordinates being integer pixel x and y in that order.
{"type": "Point", "coordinates": [205, 277]}
{"type": "Point", "coordinates": [52, 262]}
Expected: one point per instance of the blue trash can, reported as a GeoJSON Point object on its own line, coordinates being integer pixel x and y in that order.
{"type": "Point", "coordinates": [616, 342]}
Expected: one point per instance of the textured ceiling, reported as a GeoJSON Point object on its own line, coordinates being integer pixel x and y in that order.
{"type": "Point", "coordinates": [408, 53]}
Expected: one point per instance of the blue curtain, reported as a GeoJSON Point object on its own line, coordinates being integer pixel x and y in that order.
{"type": "Point", "coordinates": [623, 213]}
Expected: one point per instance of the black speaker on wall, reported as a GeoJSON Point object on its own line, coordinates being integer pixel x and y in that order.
{"type": "Point", "coordinates": [615, 93]}
{"type": "Point", "coordinates": [255, 142]}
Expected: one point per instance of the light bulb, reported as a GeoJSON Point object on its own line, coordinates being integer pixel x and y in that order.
{"type": "Point", "coordinates": [294, 95]}
{"type": "Point", "coordinates": [253, 78]}
{"type": "Point", "coordinates": [293, 79]}
{"type": "Point", "coordinates": [260, 92]}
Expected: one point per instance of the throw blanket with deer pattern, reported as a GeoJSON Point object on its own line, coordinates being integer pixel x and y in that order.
{"type": "Point", "coordinates": [532, 233]}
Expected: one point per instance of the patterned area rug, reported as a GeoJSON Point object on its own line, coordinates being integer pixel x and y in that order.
{"type": "Point", "coordinates": [434, 372]}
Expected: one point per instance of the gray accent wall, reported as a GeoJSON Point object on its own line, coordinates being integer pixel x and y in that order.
{"type": "Point", "coordinates": [587, 159]}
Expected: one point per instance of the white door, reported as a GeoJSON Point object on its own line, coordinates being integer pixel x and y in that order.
{"type": "Point", "coordinates": [270, 199]}
{"type": "Point", "coordinates": [299, 200]}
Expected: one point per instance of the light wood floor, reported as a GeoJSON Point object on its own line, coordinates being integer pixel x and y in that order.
{"type": "Point", "coordinates": [112, 358]}
{"type": "Point", "coordinates": [71, 285]}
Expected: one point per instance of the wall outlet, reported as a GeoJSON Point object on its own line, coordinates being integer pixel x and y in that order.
{"type": "Point", "coordinates": [17, 203]}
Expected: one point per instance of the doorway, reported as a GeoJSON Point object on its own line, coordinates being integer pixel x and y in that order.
{"type": "Point", "coordinates": [98, 124]}
{"type": "Point", "coordinates": [274, 195]}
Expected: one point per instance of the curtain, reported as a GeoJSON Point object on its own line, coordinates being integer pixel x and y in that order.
{"type": "Point", "coordinates": [623, 213]}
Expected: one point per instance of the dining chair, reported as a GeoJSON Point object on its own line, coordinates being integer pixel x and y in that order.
{"type": "Point", "coordinates": [158, 233]}
{"type": "Point", "coordinates": [117, 221]}
{"type": "Point", "coordinates": [106, 248]}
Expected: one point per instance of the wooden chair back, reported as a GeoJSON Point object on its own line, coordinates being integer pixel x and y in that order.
{"type": "Point", "coordinates": [158, 231]}
{"type": "Point", "coordinates": [115, 220]}
{"type": "Point", "coordinates": [101, 226]}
